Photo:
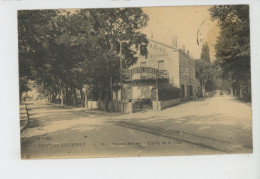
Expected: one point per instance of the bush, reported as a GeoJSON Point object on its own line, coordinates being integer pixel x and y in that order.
{"type": "Point", "coordinates": [143, 102]}
{"type": "Point", "coordinates": [166, 91]}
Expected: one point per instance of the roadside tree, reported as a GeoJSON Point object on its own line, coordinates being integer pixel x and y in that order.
{"type": "Point", "coordinates": [233, 46]}
{"type": "Point", "coordinates": [204, 71]}
{"type": "Point", "coordinates": [65, 50]}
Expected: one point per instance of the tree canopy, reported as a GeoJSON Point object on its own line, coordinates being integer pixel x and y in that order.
{"type": "Point", "coordinates": [205, 52]}
{"type": "Point", "coordinates": [233, 45]}
{"type": "Point", "coordinates": [64, 50]}
{"type": "Point", "coordinates": [205, 71]}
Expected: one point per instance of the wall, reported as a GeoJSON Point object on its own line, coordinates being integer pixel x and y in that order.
{"type": "Point", "coordinates": [160, 52]}
{"type": "Point", "coordinates": [172, 66]}
{"type": "Point", "coordinates": [187, 74]}
{"type": "Point", "coordinates": [169, 103]}
{"type": "Point", "coordinates": [141, 90]}
{"type": "Point", "coordinates": [157, 52]}
{"type": "Point", "coordinates": [126, 108]}
{"type": "Point", "coordinates": [93, 104]}
{"type": "Point", "coordinates": [180, 68]}
{"type": "Point", "coordinates": [165, 104]}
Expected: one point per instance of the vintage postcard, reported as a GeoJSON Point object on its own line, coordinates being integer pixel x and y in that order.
{"type": "Point", "coordinates": [131, 82]}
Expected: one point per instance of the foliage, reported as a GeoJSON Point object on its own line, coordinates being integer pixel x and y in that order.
{"type": "Point", "coordinates": [205, 53]}
{"type": "Point", "coordinates": [205, 72]}
{"type": "Point", "coordinates": [143, 102]}
{"type": "Point", "coordinates": [63, 50]}
{"type": "Point", "coordinates": [166, 91]}
{"type": "Point", "coordinates": [31, 43]}
{"type": "Point", "coordinates": [233, 44]}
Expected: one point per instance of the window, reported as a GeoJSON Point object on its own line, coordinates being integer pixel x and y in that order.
{"type": "Point", "coordinates": [143, 64]}
{"type": "Point", "coordinates": [161, 65]}
{"type": "Point", "coordinates": [153, 64]}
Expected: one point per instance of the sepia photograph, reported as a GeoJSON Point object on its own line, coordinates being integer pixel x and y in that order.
{"type": "Point", "coordinates": [134, 81]}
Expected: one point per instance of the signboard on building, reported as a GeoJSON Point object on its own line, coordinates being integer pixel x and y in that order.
{"type": "Point", "coordinates": [143, 70]}
{"type": "Point", "coordinates": [148, 73]}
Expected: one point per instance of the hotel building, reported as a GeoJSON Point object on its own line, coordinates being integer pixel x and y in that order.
{"type": "Point", "coordinates": [166, 63]}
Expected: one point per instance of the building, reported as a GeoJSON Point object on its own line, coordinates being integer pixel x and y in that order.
{"type": "Point", "coordinates": [163, 62]}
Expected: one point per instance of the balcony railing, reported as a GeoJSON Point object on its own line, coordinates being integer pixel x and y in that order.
{"type": "Point", "coordinates": [143, 73]}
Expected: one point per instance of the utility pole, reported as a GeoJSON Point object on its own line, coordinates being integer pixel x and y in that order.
{"type": "Point", "coordinates": [156, 87]}
{"type": "Point", "coordinates": [61, 93]}
{"type": "Point", "coordinates": [121, 72]}
{"type": "Point", "coordinates": [61, 97]}
{"type": "Point", "coordinates": [121, 75]}
{"type": "Point", "coordinates": [85, 95]}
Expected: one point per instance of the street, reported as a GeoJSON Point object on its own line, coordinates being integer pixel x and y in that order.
{"type": "Point", "coordinates": [216, 125]}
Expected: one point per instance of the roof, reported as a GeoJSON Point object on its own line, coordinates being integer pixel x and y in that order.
{"type": "Point", "coordinates": [168, 46]}
{"type": "Point", "coordinates": [160, 43]}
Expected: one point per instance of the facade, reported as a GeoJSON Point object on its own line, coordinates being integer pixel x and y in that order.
{"type": "Point", "coordinates": [163, 62]}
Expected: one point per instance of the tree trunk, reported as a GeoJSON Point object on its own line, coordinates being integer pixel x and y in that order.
{"type": "Point", "coordinates": [111, 91]}
{"type": "Point", "coordinates": [82, 99]}
{"type": "Point", "coordinates": [66, 95]}
{"type": "Point", "coordinates": [61, 97]}
{"type": "Point", "coordinates": [86, 100]}
{"type": "Point", "coordinates": [75, 99]}
{"type": "Point", "coordinates": [203, 90]}
{"type": "Point", "coordinates": [111, 87]}
{"type": "Point", "coordinates": [249, 89]}
{"type": "Point", "coordinates": [231, 91]}
{"type": "Point", "coordinates": [99, 98]}
{"type": "Point", "coordinates": [241, 91]}
{"type": "Point", "coordinates": [116, 100]}
{"type": "Point", "coordinates": [50, 97]}
{"type": "Point", "coordinates": [106, 101]}
{"type": "Point", "coordinates": [20, 96]}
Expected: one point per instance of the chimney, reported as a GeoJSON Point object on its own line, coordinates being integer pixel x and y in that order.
{"type": "Point", "coordinates": [183, 48]}
{"type": "Point", "coordinates": [174, 41]}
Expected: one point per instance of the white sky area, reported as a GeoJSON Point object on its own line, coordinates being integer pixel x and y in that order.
{"type": "Point", "coordinates": [183, 22]}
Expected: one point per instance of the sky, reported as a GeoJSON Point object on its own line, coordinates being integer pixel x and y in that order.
{"type": "Point", "coordinates": [183, 22]}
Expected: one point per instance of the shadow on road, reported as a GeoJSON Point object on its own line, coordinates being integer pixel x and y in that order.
{"type": "Point", "coordinates": [216, 127]}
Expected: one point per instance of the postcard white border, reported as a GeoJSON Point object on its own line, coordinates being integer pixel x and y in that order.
{"type": "Point", "coordinates": [11, 166]}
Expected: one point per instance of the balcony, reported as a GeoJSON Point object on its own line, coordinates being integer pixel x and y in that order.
{"type": "Point", "coordinates": [144, 73]}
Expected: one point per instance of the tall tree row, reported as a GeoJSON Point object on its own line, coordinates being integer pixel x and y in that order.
{"type": "Point", "coordinates": [65, 51]}
{"type": "Point", "coordinates": [205, 72]}
{"type": "Point", "coordinates": [233, 47]}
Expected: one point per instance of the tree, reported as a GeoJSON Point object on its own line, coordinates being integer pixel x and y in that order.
{"type": "Point", "coordinates": [30, 42]}
{"type": "Point", "coordinates": [205, 52]}
{"type": "Point", "coordinates": [112, 27]}
{"type": "Point", "coordinates": [204, 71]}
{"type": "Point", "coordinates": [233, 46]}
{"type": "Point", "coordinates": [63, 50]}
{"type": "Point", "coordinates": [205, 74]}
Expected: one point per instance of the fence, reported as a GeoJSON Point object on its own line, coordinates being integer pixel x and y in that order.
{"type": "Point", "coordinates": [126, 107]}
{"type": "Point", "coordinates": [160, 105]}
